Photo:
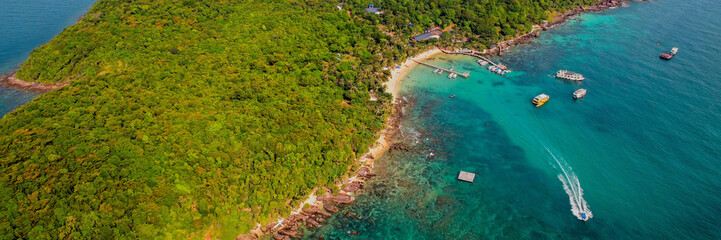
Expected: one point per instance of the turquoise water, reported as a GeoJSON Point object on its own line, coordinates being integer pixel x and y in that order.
{"type": "Point", "coordinates": [24, 25]}
{"type": "Point", "coordinates": [644, 143]}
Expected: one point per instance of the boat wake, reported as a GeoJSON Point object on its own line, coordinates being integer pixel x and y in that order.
{"type": "Point", "coordinates": [572, 186]}
{"type": "Point", "coordinates": [570, 181]}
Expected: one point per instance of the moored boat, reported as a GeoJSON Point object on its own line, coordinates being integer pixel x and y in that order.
{"type": "Point", "coordinates": [668, 56]}
{"type": "Point", "coordinates": [568, 75]}
{"type": "Point", "coordinates": [540, 99]}
{"type": "Point", "coordinates": [482, 63]}
{"type": "Point", "coordinates": [579, 93]}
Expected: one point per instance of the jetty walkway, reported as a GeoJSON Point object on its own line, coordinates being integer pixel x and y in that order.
{"type": "Point", "coordinates": [477, 54]}
{"type": "Point", "coordinates": [465, 75]}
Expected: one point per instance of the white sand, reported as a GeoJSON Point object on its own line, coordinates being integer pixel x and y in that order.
{"type": "Point", "coordinates": [393, 86]}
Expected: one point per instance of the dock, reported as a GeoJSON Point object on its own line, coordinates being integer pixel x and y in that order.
{"type": "Point", "coordinates": [465, 75]}
{"type": "Point", "coordinates": [466, 176]}
{"type": "Point", "coordinates": [477, 54]}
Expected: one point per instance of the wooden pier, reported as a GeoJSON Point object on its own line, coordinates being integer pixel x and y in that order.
{"type": "Point", "coordinates": [473, 53]}
{"type": "Point", "coordinates": [465, 75]}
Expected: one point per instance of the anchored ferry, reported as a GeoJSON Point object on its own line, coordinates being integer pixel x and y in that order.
{"type": "Point", "coordinates": [540, 100]}
{"type": "Point", "coordinates": [568, 75]}
{"type": "Point", "coordinates": [579, 93]}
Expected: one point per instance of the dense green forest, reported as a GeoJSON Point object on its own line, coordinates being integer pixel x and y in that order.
{"type": "Point", "coordinates": [182, 115]}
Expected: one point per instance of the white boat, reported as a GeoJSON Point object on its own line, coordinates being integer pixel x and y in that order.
{"type": "Point", "coordinates": [436, 71]}
{"type": "Point", "coordinates": [568, 75]}
{"type": "Point", "coordinates": [482, 63]}
{"type": "Point", "coordinates": [674, 51]}
{"type": "Point", "coordinates": [579, 93]}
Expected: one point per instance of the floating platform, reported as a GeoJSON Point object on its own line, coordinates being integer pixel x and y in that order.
{"type": "Point", "coordinates": [466, 176]}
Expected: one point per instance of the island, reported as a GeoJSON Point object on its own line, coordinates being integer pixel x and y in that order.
{"type": "Point", "coordinates": [205, 119]}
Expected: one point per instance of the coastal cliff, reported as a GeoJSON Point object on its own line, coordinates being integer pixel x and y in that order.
{"type": "Point", "coordinates": [203, 118]}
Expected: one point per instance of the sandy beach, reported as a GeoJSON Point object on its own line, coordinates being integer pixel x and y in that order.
{"type": "Point", "coordinates": [393, 86]}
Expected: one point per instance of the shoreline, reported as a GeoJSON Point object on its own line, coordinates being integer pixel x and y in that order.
{"type": "Point", "coordinates": [314, 209]}
{"type": "Point", "coordinates": [394, 84]}
{"type": "Point", "coordinates": [314, 214]}
{"type": "Point", "coordinates": [11, 81]}
{"type": "Point", "coordinates": [503, 46]}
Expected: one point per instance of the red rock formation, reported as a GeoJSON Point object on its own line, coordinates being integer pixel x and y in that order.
{"type": "Point", "coordinates": [330, 208]}
{"type": "Point", "coordinates": [312, 223]}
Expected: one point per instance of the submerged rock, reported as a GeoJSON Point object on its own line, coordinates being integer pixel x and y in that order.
{"type": "Point", "coordinates": [400, 146]}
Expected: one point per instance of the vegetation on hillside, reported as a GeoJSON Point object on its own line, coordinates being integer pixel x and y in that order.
{"type": "Point", "coordinates": [484, 22]}
{"type": "Point", "coordinates": [182, 114]}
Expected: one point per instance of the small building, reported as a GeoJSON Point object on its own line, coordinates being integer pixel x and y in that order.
{"type": "Point", "coordinates": [340, 6]}
{"type": "Point", "coordinates": [372, 9]}
{"type": "Point", "coordinates": [431, 33]}
{"type": "Point", "coordinates": [425, 36]}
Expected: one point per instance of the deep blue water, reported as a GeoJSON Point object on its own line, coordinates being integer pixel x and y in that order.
{"type": "Point", "coordinates": [25, 25]}
{"type": "Point", "coordinates": [644, 145]}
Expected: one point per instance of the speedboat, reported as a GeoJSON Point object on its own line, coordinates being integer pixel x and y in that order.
{"type": "Point", "coordinates": [584, 217]}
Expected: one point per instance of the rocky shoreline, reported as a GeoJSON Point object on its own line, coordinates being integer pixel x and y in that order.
{"type": "Point", "coordinates": [318, 208]}
{"type": "Point", "coordinates": [313, 212]}
{"type": "Point", "coordinates": [11, 81]}
{"type": "Point", "coordinates": [499, 48]}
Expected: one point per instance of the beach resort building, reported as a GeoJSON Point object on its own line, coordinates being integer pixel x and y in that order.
{"type": "Point", "coordinates": [430, 33]}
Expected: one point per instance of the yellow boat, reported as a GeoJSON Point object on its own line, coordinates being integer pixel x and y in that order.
{"type": "Point", "coordinates": [540, 99]}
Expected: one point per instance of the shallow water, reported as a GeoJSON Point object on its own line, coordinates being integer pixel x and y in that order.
{"type": "Point", "coordinates": [644, 142]}
{"type": "Point", "coordinates": [25, 25]}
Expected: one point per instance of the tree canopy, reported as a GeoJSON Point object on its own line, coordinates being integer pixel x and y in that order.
{"type": "Point", "coordinates": [186, 114]}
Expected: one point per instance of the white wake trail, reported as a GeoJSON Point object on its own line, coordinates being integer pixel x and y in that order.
{"type": "Point", "coordinates": [573, 188]}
